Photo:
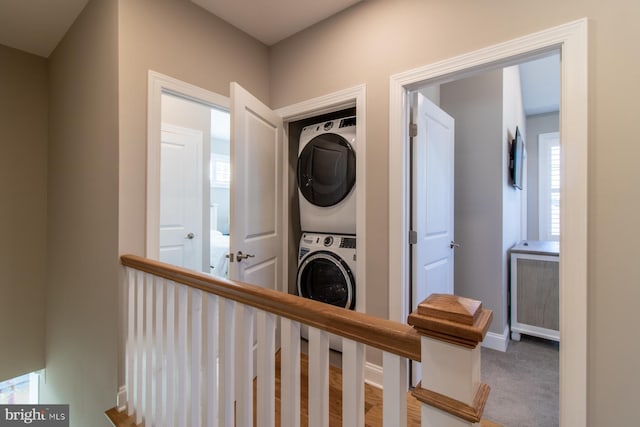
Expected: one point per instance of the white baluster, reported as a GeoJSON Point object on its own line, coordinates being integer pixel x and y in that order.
{"type": "Point", "coordinates": [196, 358]}
{"type": "Point", "coordinates": [170, 368]}
{"type": "Point", "coordinates": [244, 371]}
{"type": "Point", "coordinates": [139, 385]}
{"type": "Point", "coordinates": [290, 373]}
{"type": "Point", "coordinates": [318, 378]}
{"type": "Point", "coordinates": [266, 416]}
{"type": "Point", "coordinates": [394, 390]}
{"type": "Point", "coordinates": [182, 389]}
{"type": "Point", "coordinates": [148, 350]}
{"type": "Point", "coordinates": [352, 383]}
{"type": "Point", "coordinates": [210, 399]}
{"type": "Point", "coordinates": [227, 362]}
{"type": "Point", "coordinates": [131, 325]}
{"type": "Point", "coordinates": [159, 352]}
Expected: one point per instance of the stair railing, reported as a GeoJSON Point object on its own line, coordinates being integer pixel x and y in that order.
{"type": "Point", "coordinates": [195, 343]}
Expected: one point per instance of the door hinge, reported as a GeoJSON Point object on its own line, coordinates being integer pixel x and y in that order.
{"type": "Point", "coordinates": [413, 130]}
{"type": "Point", "coordinates": [413, 237]}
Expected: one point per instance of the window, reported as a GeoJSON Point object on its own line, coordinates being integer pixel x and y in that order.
{"type": "Point", "coordinates": [220, 169]}
{"type": "Point", "coordinates": [22, 390]}
{"type": "Point", "coordinates": [549, 185]}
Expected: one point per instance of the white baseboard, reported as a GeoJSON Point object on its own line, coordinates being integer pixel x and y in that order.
{"type": "Point", "coordinates": [121, 399]}
{"type": "Point", "coordinates": [373, 374]}
{"type": "Point", "coordinates": [497, 341]}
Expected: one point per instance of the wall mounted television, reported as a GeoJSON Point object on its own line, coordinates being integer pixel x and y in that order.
{"type": "Point", "coordinates": [516, 159]}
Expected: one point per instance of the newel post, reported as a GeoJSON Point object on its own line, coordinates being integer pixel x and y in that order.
{"type": "Point", "coordinates": [451, 328]}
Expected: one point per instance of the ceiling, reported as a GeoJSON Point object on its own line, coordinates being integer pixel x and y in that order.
{"type": "Point", "coordinates": [268, 21]}
{"type": "Point", "coordinates": [37, 26]}
{"type": "Point", "coordinates": [273, 20]}
{"type": "Point", "coordinates": [540, 80]}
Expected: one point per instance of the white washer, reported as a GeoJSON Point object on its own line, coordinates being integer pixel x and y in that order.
{"type": "Point", "coordinates": [327, 269]}
{"type": "Point", "coordinates": [327, 273]}
{"type": "Point", "coordinates": [326, 176]}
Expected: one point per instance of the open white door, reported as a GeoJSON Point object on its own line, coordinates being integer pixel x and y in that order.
{"type": "Point", "coordinates": [256, 233]}
{"type": "Point", "coordinates": [432, 204]}
{"type": "Point", "coordinates": [256, 191]}
{"type": "Point", "coordinates": [181, 197]}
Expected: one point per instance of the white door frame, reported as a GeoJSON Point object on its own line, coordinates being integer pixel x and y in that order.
{"type": "Point", "coordinates": [346, 98]}
{"type": "Point", "coordinates": [571, 39]}
{"type": "Point", "coordinates": [157, 85]}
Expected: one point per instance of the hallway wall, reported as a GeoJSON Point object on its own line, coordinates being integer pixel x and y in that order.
{"type": "Point", "coordinates": [83, 273]}
{"type": "Point", "coordinates": [23, 210]}
{"type": "Point", "coordinates": [375, 39]}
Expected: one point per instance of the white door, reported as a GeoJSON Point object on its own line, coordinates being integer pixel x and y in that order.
{"type": "Point", "coordinates": [256, 191]}
{"type": "Point", "coordinates": [256, 233]}
{"type": "Point", "coordinates": [181, 197]}
{"type": "Point", "coordinates": [432, 203]}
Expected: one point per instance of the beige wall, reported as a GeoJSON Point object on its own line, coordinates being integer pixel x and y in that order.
{"type": "Point", "coordinates": [179, 39]}
{"type": "Point", "coordinates": [376, 39]}
{"type": "Point", "coordinates": [475, 104]}
{"type": "Point", "coordinates": [512, 201]}
{"type": "Point", "coordinates": [82, 268]}
{"type": "Point", "coordinates": [23, 210]}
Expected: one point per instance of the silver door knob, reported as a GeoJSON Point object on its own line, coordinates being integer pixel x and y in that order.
{"type": "Point", "coordinates": [453, 245]}
{"type": "Point", "coordinates": [190, 236]}
{"type": "Point", "coordinates": [240, 256]}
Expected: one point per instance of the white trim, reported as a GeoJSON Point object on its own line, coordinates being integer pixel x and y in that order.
{"type": "Point", "coordinates": [498, 342]}
{"type": "Point", "coordinates": [571, 39]}
{"type": "Point", "coordinates": [158, 84]}
{"type": "Point", "coordinates": [373, 374]}
{"type": "Point", "coordinates": [121, 399]}
{"type": "Point", "coordinates": [346, 98]}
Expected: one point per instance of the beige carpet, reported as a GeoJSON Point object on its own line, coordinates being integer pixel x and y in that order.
{"type": "Point", "coordinates": [524, 383]}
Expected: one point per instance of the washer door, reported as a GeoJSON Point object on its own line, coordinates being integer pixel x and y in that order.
{"type": "Point", "coordinates": [323, 276]}
{"type": "Point", "coordinates": [326, 170]}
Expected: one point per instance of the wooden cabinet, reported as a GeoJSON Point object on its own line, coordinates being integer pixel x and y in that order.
{"type": "Point", "coordinates": [535, 308]}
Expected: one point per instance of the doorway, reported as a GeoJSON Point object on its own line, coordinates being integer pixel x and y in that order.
{"type": "Point", "coordinates": [571, 40]}
{"type": "Point", "coordinates": [490, 214]}
{"type": "Point", "coordinates": [188, 143]}
{"type": "Point", "coordinates": [194, 185]}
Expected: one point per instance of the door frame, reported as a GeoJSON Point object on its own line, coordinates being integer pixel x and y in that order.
{"type": "Point", "coordinates": [157, 85]}
{"type": "Point", "coordinates": [346, 98]}
{"type": "Point", "coordinates": [572, 40]}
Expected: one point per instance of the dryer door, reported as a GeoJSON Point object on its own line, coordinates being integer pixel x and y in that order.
{"type": "Point", "coordinates": [326, 170]}
{"type": "Point", "coordinates": [323, 276]}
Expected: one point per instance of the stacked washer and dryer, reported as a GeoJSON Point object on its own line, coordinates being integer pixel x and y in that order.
{"type": "Point", "coordinates": [326, 176]}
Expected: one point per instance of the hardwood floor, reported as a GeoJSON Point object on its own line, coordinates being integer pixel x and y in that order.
{"type": "Point", "coordinates": [372, 405]}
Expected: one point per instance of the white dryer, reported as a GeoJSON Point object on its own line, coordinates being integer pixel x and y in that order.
{"type": "Point", "coordinates": [326, 176]}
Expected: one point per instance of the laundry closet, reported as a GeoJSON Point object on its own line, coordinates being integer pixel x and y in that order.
{"type": "Point", "coordinates": [322, 192]}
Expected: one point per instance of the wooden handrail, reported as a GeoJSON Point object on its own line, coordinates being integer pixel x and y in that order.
{"type": "Point", "coordinates": [393, 337]}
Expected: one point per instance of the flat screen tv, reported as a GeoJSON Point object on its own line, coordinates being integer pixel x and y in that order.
{"type": "Point", "coordinates": [517, 154]}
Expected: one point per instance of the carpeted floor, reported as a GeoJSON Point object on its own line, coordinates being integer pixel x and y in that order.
{"type": "Point", "coordinates": [524, 383]}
